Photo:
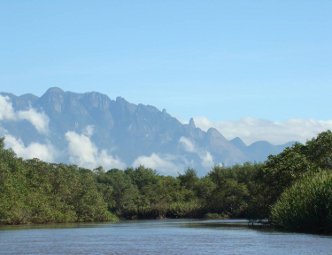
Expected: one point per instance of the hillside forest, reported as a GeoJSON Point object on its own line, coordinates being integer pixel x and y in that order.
{"type": "Point", "coordinates": [293, 190]}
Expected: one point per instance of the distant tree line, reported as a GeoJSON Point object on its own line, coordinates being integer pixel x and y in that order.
{"type": "Point", "coordinates": [292, 189]}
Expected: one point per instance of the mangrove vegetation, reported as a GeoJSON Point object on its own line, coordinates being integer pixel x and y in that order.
{"type": "Point", "coordinates": [293, 190]}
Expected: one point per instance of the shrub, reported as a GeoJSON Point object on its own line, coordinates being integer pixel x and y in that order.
{"type": "Point", "coordinates": [307, 205]}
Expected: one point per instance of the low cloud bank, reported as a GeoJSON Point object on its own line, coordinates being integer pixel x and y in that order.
{"type": "Point", "coordinates": [276, 132]}
{"type": "Point", "coordinates": [38, 119]}
{"type": "Point", "coordinates": [163, 163]}
{"type": "Point", "coordinates": [207, 160]}
{"type": "Point", "coordinates": [84, 153]}
{"type": "Point", "coordinates": [43, 152]}
{"type": "Point", "coordinates": [6, 109]}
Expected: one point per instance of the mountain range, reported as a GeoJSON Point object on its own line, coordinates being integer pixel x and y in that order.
{"type": "Point", "coordinates": [92, 130]}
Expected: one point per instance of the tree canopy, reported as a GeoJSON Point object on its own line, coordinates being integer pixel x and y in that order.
{"type": "Point", "coordinates": [287, 188]}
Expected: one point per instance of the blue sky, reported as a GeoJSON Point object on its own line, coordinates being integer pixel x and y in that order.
{"type": "Point", "coordinates": [224, 60]}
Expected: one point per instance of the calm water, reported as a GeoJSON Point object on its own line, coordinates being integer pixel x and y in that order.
{"type": "Point", "coordinates": [158, 237]}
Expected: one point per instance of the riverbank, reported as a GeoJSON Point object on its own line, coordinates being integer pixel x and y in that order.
{"type": "Point", "coordinates": [291, 188]}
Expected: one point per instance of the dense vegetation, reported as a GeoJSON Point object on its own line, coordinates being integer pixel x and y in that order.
{"type": "Point", "coordinates": [307, 205]}
{"type": "Point", "coordinates": [293, 189]}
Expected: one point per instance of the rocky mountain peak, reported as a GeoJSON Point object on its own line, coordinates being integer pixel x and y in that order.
{"type": "Point", "coordinates": [192, 123]}
{"type": "Point", "coordinates": [124, 133]}
{"type": "Point", "coordinates": [53, 99]}
{"type": "Point", "coordinates": [54, 91]}
{"type": "Point", "coordinates": [237, 141]}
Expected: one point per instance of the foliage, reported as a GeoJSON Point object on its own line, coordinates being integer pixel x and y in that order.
{"type": "Point", "coordinates": [319, 150]}
{"type": "Point", "coordinates": [307, 205]}
{"type": "Point", "coordinates": [32, 191]}
{"type": "Point", "coordinates": [278, 173]}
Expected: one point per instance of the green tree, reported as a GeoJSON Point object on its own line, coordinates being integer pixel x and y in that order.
{"type": "Point", "coordinates": [280, 172]}
{"type": "Point", "coordinates": [124, 193]}
{"type": "Point", "coordinates": [229, 199]}
{"type": "Point", "coordinates": [189, 179]}
{"type": "Point", "coordinates": [319, 150]}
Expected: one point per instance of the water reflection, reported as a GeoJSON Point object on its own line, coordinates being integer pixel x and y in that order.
{"type": "Point", "coordinates": [158, 237]}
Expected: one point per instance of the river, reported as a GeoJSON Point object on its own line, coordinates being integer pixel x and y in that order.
{"type": "Point", "coordinates": [159, 237]}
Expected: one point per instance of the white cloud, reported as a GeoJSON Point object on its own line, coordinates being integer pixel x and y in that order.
{"type": "Point", "coordinates": [163, 164]}
{"type": "Point", "coordinates": [43, 152]}
{"type": "Point", "coordinates": [187, 144]}
{"type": "Point", "coordinates": [6, 109]}
{"type": "Point", "coordinates": [207, 160]}
{"type": "Point", "coordinates": [205, 156]}
{"type": "Point", "coordinates": [276, 132]}
{"type": "Point", "coordinates": [83, 152]}
{"type": "Point", "coordinates": [38, 119]}
{"type": "Point", "coordinates": [89, 130]}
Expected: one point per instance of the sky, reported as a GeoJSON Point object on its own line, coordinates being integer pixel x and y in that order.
{"type": "Point", "coordinates": [260, 70]}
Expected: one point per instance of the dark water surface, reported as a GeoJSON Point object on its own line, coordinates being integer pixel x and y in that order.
{"type": "Point", "coordinates": [158, 237]}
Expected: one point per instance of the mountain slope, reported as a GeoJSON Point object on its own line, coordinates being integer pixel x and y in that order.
{"type": "Point", "coordinates": [90, 129]}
